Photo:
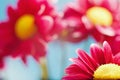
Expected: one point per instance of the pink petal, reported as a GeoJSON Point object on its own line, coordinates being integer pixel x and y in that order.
{"type": "Point", "coordinates": [74, 69]}
{"type": "Point", "coordinates": [77, 77]}
{"type": "Point", "coordinates": [2, 63]}
{"type": "Point", "coordinates": [12, 12]}
{"type": "Point", "coordinates": [39, 48]}
{"type": "Point", "coordinates": [22, 48]}
{"type": "Point", "coordinates": [6, 33]}
{"type": "Point", "coordinates": [87, 60]}
{"type": "Point", "coordinates": [96, 2]}
{"type": "Point", "coordinates": [24, 59]}
{"type": "Point", "coordinates": [97, 54]}
{"type": "Point", "coordinates": [29, 6]}
{"type": "Point", "coordinates": [83, 5]}
{"type": "Point", "coordinates": [106, 30]}
{"type": "Point", "coordinates": [117, 58]}
{"type": "Point", "coordinates": [44, 24]}
{"type": "Point", "coordinates": [81, 65]}
{"type": "Point", "coordinates": [107, 52]}
{"type": "Point", "coordinates": [70, 11]}
{"type": "Point", "coordinates": [112, 5]}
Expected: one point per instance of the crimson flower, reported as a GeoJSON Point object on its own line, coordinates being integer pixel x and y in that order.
{"type": "Point", "coordinates": [28, 30]}
{"type": "Point", "coordinates": [101, 64]}
{"type": "Point", "coordinates": [97, 18]}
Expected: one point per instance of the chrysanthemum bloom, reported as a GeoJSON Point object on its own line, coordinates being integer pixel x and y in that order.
{"type": "Point", "coordinates": [29, 27]}
{"type": "Point", "coordinates": [101, 64]}
{"type": "Point", "coordinates": [99, 16]}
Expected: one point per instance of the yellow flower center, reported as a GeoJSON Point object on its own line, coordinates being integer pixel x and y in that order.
{"type": "Point", "coordinates": [25, 27]}
{"type": "Point", "coordinates": [99, 16]}
{"type": "Point", "coordinates": [107, 71]}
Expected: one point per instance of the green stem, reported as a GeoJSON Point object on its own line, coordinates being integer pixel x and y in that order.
{"type": "Point", "coordinates": [43, 64]}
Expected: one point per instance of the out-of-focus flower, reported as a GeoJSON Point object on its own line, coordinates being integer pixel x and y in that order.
{"type": "Point", "coordinates": [100, 65]}
{"type": "Point", "coordinates": [93, 17]}
{"type": "Point", "coordinates": [29, 27]}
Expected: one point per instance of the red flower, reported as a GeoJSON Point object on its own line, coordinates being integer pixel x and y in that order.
{"type": "Point", "coordinates": [96, 17]}
{"type": "Point", "coordinates": [97, 66]}
{"type": "Point", "coordinates": [30, 26]}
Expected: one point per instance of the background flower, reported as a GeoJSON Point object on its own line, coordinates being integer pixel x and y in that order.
{"type": "Point", "coordinates": [90, 17]}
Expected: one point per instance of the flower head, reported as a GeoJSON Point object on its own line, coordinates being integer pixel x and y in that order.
{"type": "Point", "coordinates": [97, 18]}
{"type": "Point", "coordinates": [28, 30]}
{"type": "Point", "coordinates": [100, 65]}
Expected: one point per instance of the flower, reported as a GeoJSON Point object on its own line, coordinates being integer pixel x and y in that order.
{"type": "Point", "coordinates": [97, 18]}
{"type": "Point", "coordinates": [28, 30]}
{"type": "Point", "coordinates": [100, 65]}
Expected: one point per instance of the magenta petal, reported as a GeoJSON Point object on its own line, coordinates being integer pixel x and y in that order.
{"type": "Point", "coordinates": [97, 54]}
{"type": "Point", "coordinates": [77, 77]}
{"type": "Point", "coordinates": [107, 52]}
{"type": "Point", "coordinates": [112, 5]}
{"type": "Point", "coordinates": [22, 49]}
{"type": "Point", "coordinates": [117, 58]}
{"type": "Point", "coordinates": [83, 5]}
{"type": "Point", "coordinates": [70, 11]}
{"type": "Point", "coordinates": [75, 69]}
{"type": "Point", "coordinates": [106, 31]}
{"type": "Point", "coordinates": [29, 6]}
{"type": "Point", "coordinates": [96, 2]}
{"type": "Point", "coordinates": [39, 48]}
{"type": "Point", "coordinates": [87, 60]}
{"type": "Point", "coordinates": [2, 63]}
{"type": "Point", "coordinates": [81, 65]}
{"type": "Point", "coordinates": [45, 24]}
{"type": "Point", "coordinates": [24, 59]}
{"type": "Point", "coordinates": [6, 34]}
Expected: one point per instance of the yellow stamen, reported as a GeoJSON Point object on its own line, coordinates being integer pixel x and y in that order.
{"type": "Point", "coordinates": [25, 27]}
{"type": "Point", "coordinates": [107, 71]}
{"type": "Point", "coordinates": [99, 16]}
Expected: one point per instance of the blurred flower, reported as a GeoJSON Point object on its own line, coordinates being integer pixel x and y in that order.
{"type": "Point", "coordinates": [97, 18]}
{"type": "Point", "coordinates": [29, 27]}
{"type": "Point", "coordinates": [100, 65]}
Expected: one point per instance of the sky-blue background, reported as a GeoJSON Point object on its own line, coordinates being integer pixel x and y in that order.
{"type": "Point", "coordinates": [16, 70]}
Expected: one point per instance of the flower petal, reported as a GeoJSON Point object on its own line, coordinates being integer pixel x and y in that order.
{"type": "Point", "coordinates": [77, 77]}
{"type": "Point", "coordinates": [117, 58]}
{"type": "Point", "coordinates": [81, 65]}
{"type": "Point", "coordinates": [106, 31]}
{"type": "Point", "coordinates": [44, 24]}
{"type": "Point", "coordinates": [75, 69]}
{"type": "Point", "coordinates": [107, 52]}
{"type": "Point", "coordinates": [97, 54]}
{"type": "Point", "coordinates": [87, 60]}
{"type": "Point", "coordinates": [112, 5]}
{"type": "Point", "coordinates": [39, 48]}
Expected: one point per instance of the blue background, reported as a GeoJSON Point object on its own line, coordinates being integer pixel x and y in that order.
{"type": "Point", "coordinates": [16, 70]}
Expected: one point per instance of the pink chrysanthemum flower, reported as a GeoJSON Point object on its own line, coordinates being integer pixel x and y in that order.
{"type": "Point", "coordinates": [100, 65]}
{"type": "Point", "coordinates": [29, 27]}
{"type": "Point", "coordinates": [95, 17]}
